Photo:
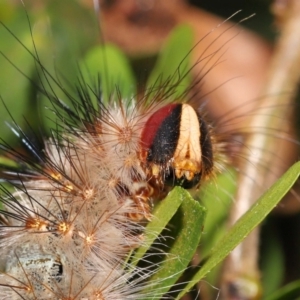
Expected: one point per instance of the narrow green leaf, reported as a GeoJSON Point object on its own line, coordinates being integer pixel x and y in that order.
{"type": "Point", "coordinates": [13, 86]}
{"type": "Point", "coordinates": [162, 214]}
{"type": "Point", "coordinates": [216, 196]}
{"type": "Point", "coordinates": [110, 65]}
{"type": "Point", "coordinates": [272, 259]}
{"type": "Point", "coordinates": [4, 161]}
{"type": "Point", "coordinates": [289, 292]}
{"type": "Point", "coordinates": [246, 224]}
{"type": "Point", "coordinates": [173, 65]}
{"type": "Point", "coordinates": [185, 229]}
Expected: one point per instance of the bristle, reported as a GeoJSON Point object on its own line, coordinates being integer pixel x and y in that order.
{"type": "Point", "coordinates": [75, 204]}
{"type": "Point", "coordinates": [73, 222]}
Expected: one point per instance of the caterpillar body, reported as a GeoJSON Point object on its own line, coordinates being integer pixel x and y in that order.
{"type": "Point", "coordinates": [81, 198]}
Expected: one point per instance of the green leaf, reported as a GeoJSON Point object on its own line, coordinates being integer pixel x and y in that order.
{"type": "Point", "coordinates": [289, 292]}
{"type": "Point", "coordinates": [14, 86]}
{"type": "Point", "coordinates": [272, 259]}
{"type": "Point", "coordinates": [216, 196]}
{"type": "Point", "coordinates": [57, 42]}
{"type": "Point", "coordinates": [5, 161]}
{"type": "Point", "coordinates": [172, 69]}
{"type": "Point", "coordinates": [162, 214]}
{"type": "Point", "coordinates": [61, 43]}
{"type": "Point", "coordinates": [246, 224]}
{"type": "Point", "coordinates": [185, 229]}
{"type": "Point", "coordinates": [110, 65]}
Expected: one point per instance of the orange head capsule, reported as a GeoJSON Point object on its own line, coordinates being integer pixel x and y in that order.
{"type": "Point", "coordinates": [176, 145]}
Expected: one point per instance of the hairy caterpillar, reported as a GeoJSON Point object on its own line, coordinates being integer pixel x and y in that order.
{"type": "Point", "coordinates": [63, 178]}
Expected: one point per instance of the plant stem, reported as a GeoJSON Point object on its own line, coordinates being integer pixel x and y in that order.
{"type": "Point", "coordinates": [275, 109]}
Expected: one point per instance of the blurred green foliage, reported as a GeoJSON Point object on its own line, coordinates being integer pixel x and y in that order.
{"type": "Point", "coordinates": [60, 41]}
